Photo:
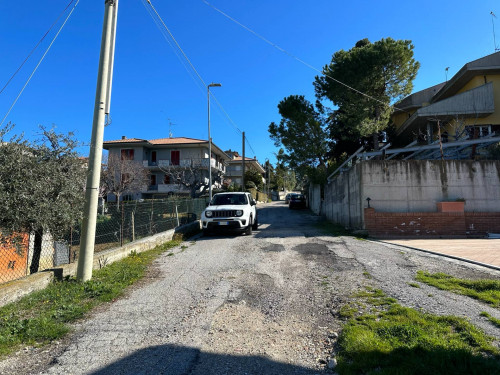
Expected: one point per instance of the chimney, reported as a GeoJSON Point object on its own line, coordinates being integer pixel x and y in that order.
{"type": "Point", "coordinates": [124, 137]}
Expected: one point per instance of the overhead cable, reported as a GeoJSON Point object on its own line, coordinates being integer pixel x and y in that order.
{"type": "Point", "coordinates": [36, 46]}
{"type": "Point", "coordinates": [165, 35]}
{"type": "Point", "coordinates": [162, 23]}
{"type": "Point", "coordinates": [39, 62]}
{"type": "Point", "coordinates": [297, 58]}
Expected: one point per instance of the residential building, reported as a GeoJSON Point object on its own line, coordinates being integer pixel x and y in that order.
{"type": "Point", "coordinates": [466, 106]}
{"type": "Point", "coordinates": [165, 158]}
{"type": "Point", "coordinates": [234, 174]}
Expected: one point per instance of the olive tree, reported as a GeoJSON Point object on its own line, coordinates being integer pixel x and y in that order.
{"type": "Point", "coordinates": [42, 185]}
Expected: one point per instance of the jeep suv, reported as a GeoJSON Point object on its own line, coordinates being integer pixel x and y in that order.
{"type": "Point", "coordinates": [230, 211]}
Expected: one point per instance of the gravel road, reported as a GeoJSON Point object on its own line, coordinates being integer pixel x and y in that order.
{"type": "Point", "coordinates": [261, 304]}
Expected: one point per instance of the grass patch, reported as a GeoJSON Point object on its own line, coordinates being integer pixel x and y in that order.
{"type": "Point", "coordinates": [492, 319]}
{"type": "Point", "coordinates": [484, 290]}
{"type": "Point", "coordinates": [414, 285]}
{"type": "Point", "coordinates": [347, 311]}
{"type": "Point", "coordinates": [44, 315]}
{"type": "Point", "coordinates": [392, 339]}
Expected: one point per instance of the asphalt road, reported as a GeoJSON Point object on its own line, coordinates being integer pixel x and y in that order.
{"type": "Point", "coordinates": [261, 304]}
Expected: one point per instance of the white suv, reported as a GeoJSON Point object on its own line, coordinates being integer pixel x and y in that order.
{"type": "Point", "coordinates": [230, 211]}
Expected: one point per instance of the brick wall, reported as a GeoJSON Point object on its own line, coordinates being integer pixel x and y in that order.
{"type": "Point", "coordinates": [431, 224]}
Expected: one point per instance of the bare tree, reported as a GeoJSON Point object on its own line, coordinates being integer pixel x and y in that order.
{"type": "Point", "coordinates": [121, 176]}
{"type": "Point", "coordinates": [193, 177]}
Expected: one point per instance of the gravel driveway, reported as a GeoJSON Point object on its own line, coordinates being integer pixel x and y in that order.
{"type": "Point", "coordinates": [261, 304]}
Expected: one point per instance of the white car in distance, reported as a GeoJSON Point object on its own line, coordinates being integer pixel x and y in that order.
{"type": "Point", "coordinates": [230, 212]}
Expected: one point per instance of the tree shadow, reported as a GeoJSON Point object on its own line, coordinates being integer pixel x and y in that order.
{"type": "Point", "coordinates": [181, 360]}
{"type": "Point", "coordinates": [421, 361]}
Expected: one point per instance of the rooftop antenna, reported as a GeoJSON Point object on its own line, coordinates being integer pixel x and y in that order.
{"type": "Point", "coordinates": [446, 72]}
{"type": "Point", "coordinates": [170, 124]}
{"type": "Point", "coordinates": [494, 37]}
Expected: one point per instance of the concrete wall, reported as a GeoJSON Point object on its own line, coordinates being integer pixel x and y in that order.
{"type": "Point", "coordinates": [417, 185]}
{"type": "Point", "coordinates": [315, 203]}
{"type": "Point", "coordinates": [342, 201]}
{"type": "Point", "coordinates": [408, 186]}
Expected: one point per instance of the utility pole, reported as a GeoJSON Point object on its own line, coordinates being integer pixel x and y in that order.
{"type": "Point", "coordinates": [243, 164]}
{"type": "Point", "coordinates": [269, 179]}
{"type": "Point", "coordinates": [101, 110]}
{"type": "Point", "coordinates": [210, 141]}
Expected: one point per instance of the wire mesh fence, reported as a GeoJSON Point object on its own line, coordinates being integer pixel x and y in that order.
{"type": "Point", "coordinates": [117, 225]}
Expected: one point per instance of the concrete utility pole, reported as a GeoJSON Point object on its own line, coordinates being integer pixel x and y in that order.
{"type": "Point", "coordinates": [210, 141]}
{"type": "Point", "coordinates": [243, 164]}
{"type": "Point", "coordinates": [101, 109]}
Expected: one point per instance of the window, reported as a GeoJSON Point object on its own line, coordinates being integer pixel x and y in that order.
{"type": "Point", "coordinates": [175, 157]}
{"type": "Point", "coordinates": [152, 179]}
{"type": "Point", "coordinates": [127, 154]}
{"type": "Point", "coordinates": [125, 178]}
{"type": "Point", "coordinates": [166, 179]}
{"type": "Point", "coordinates": [153, 156]}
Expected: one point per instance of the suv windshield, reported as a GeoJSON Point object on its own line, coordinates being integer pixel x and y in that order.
{"type": "Point", "coordinates": [229, 199]}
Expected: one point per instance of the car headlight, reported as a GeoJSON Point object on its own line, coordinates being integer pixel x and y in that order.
{"type": "Point", "coordinates": [208, 213]}
{"type": "Point", "coordinates": [239, 213]}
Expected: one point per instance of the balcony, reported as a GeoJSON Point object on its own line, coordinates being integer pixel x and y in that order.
{"type": "Point", "coordinates": [158, 163]}
{"type": "Point", "coordinates": [165, 188]}
{"type": "Point", "coordinates": [185, 163]}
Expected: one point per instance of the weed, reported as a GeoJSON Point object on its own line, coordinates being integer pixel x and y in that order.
{"type": "Point", "coordinates": [492, 319]}
{"type": "Point", "coordinates": [398, 340]}
{"type": "Point", "coordinates": [347, 311]}
{"type": "Point", "coordinates": [484, 290]}
{"type": "Point", "coordinates": [367, 275]}
{"type": "Point", "coordinates": [103, 262]}
{"type": "Point", "coordinates": [414, 285]}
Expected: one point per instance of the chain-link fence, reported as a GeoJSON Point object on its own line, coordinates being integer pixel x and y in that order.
{"type": "Point", "coordinates": [117, 224]}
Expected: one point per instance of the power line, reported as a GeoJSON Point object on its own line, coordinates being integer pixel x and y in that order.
{"type": "Point", "coordinates": [165, 35]}
{"type": "Point", "coordinates": [162, 23]}
{"type": "Point", "coordinates": [297, 58]}
{"type": "Point", "coordinates": [177, 44]}
{"type": "Point", "coordinates": [39, 62]}
{"type": "Point", "coordinates": [36, 46]}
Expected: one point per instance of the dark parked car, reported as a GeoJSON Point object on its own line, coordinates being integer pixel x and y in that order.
{"type": "Point", "coordinates": [297, 201]}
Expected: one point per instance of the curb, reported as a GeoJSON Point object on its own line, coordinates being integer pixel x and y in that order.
{"type": "Point", "coordinates": [443, 255]}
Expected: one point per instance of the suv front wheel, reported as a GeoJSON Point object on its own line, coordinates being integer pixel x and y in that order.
{"type": "Point", "coordinates": [248, 231]}
{"type": "Point", "coordinates": [255, 223]}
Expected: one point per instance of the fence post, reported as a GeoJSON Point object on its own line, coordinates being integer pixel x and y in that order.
{"type": "Point", "coordinates": [132, 217]}
{"type": "Point", "coordinates": [122, 226]}
{"type": "Point", "coordinates": [151, 219]}
{"type": "Point", "coordinates": [177, 215]}
{"type": "Point", "coordinates": [70, 243]}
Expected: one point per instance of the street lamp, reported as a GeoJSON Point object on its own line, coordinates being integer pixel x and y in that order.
{"type": "Point", "coordinates": [210, 141]}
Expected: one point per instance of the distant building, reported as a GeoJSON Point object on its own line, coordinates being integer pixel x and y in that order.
{"type": "Point", "coordinates": [235, 167]}
{"type": "Point", "coordinates": [168, 154]}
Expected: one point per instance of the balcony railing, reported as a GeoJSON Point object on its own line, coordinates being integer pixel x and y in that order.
{"type": "Point", "coordinates": [185, 163]}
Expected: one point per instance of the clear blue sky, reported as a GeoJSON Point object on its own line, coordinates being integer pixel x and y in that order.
{"type": "Point", "coordinates": [151, 85]}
